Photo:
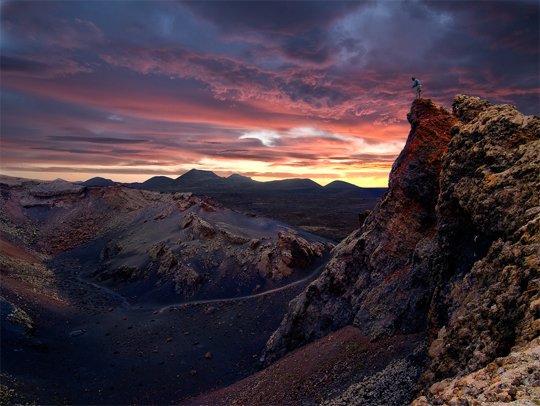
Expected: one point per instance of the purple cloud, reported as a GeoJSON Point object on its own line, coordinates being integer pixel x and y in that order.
{"type": "Point", "coordinates": [180, 83]}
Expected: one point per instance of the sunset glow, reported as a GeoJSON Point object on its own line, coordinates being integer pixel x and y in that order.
{"type": "Point", "coordinates": [130, 90]}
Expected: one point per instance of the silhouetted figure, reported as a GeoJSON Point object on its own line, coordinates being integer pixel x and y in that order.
{"type": "Point", "coordinates": [418, 86]}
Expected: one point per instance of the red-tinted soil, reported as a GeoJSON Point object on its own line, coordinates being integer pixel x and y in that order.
{"type": "Point", "coordinates": [16, 252]}
{"type": "Point", "coordinates": [314, 372]}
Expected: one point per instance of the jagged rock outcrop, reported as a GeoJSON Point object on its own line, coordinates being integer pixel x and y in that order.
{"type": "Point", "coordinates": [378, 278]}
{"type": "Point", "coordinates": [514, 378]}
{"type": "Point", "coordinates": [170, 265]}
{"type": "Point", "coordinates": [453, 249]}
{"type": "Point", "coordinates": [488, 285]}
{"type": "Point", "coordinates": [199, 228]}
{"type": "Point", "coordinates": [277, 260]}
{"type": "Point", "coordinates": [212, 253]}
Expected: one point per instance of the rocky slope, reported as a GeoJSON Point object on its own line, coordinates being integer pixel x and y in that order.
{"type": "Point", "coordinates": [144, 243]}
{"type": "Point", "coordinates": [320, 370]}
{"type": "Point", "coordinates": [452, 251]}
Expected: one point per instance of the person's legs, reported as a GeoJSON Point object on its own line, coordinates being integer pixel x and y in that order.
{"type": "Point", "coordinates": [418, 92]}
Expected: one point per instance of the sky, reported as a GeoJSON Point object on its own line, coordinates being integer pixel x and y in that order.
{"type": "Point", "coordinates": [133, 89]}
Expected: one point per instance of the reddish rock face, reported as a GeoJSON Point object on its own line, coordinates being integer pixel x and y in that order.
{"type": "Point", "coordinates": [379, 278]}
{"type": "Point", "coordinates": [415, 173]}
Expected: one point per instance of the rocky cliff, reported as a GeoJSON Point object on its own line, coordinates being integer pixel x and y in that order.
{"type": "Point", "coordinates": [379, 277]}
{"type": "Point", "coordinates": [487, 288]}
{"type": "Point", "coordinates": [452, 251]}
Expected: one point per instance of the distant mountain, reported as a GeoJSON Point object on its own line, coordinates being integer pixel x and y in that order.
{"type": "Point", "coordinates": [208, 183]}
{"type": "Point", "coordinates": [291, 184]}
{"type": "Point", "coordinates": [157, 182]}
{"type": "Point", "coordinates": [341, 186]}
{"type": "Point", "coordinates": [98, 181]}
{"type": "Point", "coordinates": [241, 179]}
{"type": "Point", "coordinates": [196, 177]}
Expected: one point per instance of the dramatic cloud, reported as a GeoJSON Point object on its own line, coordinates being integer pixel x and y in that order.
{"type": "Point", "coordinates": [267, 138]}
{"type": "Point", "coordinates": [274, 17]}
{"type": "Point", "coordinates": [267, 89]}
{"type": "Point", "coordinates": [97, 140]}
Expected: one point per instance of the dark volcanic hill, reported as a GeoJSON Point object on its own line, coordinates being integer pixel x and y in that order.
{"type": "Point", "coordinates": [240, 179]}
{"type": "Point", "coordinates": [446, 268]}
{"type": "Point", "coordinates": [157, 183]}
{"type": "Point", "coordinates": [98, 181]}
{"type": "Point", "coordinates": [199, 178]}
{"type": "Point", "coordinates": [296, 184]}
{"type": "Point", "coordinates": [196, 180]}
{"type": "Point", "coordinates": [338, 185]}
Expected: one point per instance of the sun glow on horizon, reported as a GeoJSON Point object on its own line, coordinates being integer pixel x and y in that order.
{"type": "Point", "coordinates": [363, 177]}
{"type": "Point", "coordinates": [322, 155]}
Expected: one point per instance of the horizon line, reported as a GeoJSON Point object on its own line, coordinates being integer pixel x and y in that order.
{"type": "Point", "coordinates": [254, 178]}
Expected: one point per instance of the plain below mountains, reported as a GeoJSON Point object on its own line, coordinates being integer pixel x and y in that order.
{"type": "Point", "coordinates": [332, 211]}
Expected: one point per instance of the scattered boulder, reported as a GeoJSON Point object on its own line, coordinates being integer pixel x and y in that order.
{"type": "Point", "coordinates": [279, 260]}
{"type": "Point", "coordinates": [77, 333]}
{"type": "Point", "coordinates": [17, 316]}
{"type": "Point", "coordinates": [199, 227]}
{"type": "Point", "coordinates": [112, 249]}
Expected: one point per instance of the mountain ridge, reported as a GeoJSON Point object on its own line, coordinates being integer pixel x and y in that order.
{"type": "Point", "coordinates": [199, 178]}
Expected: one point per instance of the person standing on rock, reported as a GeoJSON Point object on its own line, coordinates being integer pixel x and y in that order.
{"type": "Point", "coordinates": [418, 86]}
